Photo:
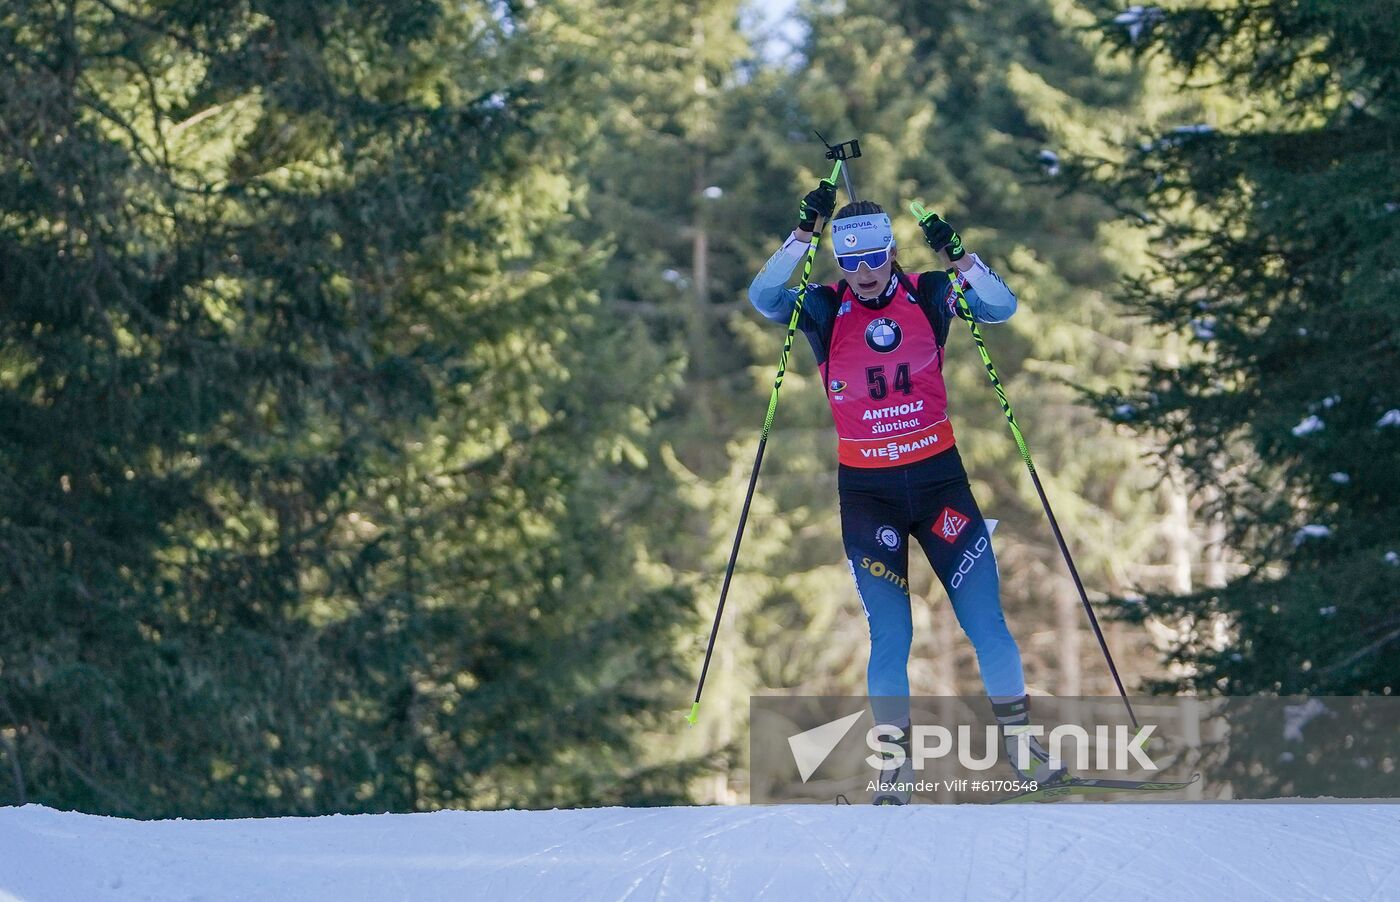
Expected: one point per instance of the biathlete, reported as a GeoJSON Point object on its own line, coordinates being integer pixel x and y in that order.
{"type": "Point", "coordinates": [879, 336]}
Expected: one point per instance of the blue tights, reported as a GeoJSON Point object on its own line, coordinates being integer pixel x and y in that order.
{"type": "Point", "coordinates": [930, 500]}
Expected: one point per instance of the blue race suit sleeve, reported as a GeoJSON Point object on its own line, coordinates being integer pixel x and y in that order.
{"type": "Point", "coordinates": [769, 292]}
{"type": "Point", "coordinates": [987, 295]}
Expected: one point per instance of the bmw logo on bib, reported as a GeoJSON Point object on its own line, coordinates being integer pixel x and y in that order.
{"type": "Point", "coordinates": [882, 335]}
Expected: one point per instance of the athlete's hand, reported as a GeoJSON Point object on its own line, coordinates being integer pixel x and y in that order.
{"type": "Point", "coordinates": [941, 237]}
{"type": "Point", "coordinates": [820, 202]}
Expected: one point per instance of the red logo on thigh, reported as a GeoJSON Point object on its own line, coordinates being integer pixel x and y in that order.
{"type": "Point", "coordinates": [950, 525]}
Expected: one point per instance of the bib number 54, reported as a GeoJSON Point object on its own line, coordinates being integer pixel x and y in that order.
{"type": "Point", "coordinates": [879, 387]}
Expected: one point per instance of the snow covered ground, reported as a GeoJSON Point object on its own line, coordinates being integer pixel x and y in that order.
{"type": "Point", "coordinates": [1045, 852]}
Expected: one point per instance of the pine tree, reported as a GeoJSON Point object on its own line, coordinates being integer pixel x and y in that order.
{"type": "Point", "coordinates": [309, 461]}
{"type": "Point", "coordinates": [1275, 239]}
{"type": "Point", "coordinates": [678, 170]}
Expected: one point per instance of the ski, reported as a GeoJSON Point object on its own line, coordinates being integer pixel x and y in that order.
{"type": "Point", "coordinates": [1080, 786]}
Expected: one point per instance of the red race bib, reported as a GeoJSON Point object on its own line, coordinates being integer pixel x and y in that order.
{"type": "Point", "coordinates": [884, 381]}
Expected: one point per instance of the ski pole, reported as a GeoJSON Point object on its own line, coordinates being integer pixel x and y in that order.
{"type": "Point", "coordinates": [694, 714]}
{"type": "Point", "coordinates": [965, 312]}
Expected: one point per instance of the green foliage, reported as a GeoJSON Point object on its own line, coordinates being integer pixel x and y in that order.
{"type": "Point", "coordinates": [963, 137]}
{"type": "Point", "coordinates": [1276, 238]}
{"type": "Point", "coordinates": [379, 392]}
{"type": "Point", "coordinates": [953, 103]}
{"type": "Point", "coordinates": [309, 462]}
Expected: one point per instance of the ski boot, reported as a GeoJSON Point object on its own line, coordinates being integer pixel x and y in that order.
{"type": "Point", "coordinates": [1014, 718]}
{"type": "Point", "coordinates": [896, 782]}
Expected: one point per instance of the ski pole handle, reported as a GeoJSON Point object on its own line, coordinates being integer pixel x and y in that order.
{"type": "Point", "coordinates": [839, 170]}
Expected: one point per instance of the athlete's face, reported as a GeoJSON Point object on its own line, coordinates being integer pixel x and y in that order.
{"type": "Point", "coordinates": [868, 282]}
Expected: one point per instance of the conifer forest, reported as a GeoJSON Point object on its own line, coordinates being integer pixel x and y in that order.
{"type": "Point", "coordinates": [379, 386]}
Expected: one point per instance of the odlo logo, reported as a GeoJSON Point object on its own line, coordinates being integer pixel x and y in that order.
{"type": "Point", "coordinates": [969, 560]}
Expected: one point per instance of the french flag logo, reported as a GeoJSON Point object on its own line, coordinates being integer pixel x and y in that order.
{"type": "Point", "coordinates": [950, 525]}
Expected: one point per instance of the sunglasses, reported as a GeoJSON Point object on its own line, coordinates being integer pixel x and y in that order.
{"type": "Point", "coordinates": [872, 259]}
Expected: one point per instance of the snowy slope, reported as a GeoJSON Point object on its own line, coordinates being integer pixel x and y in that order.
{"type": "Point", "coordinates": [1043, 852]}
